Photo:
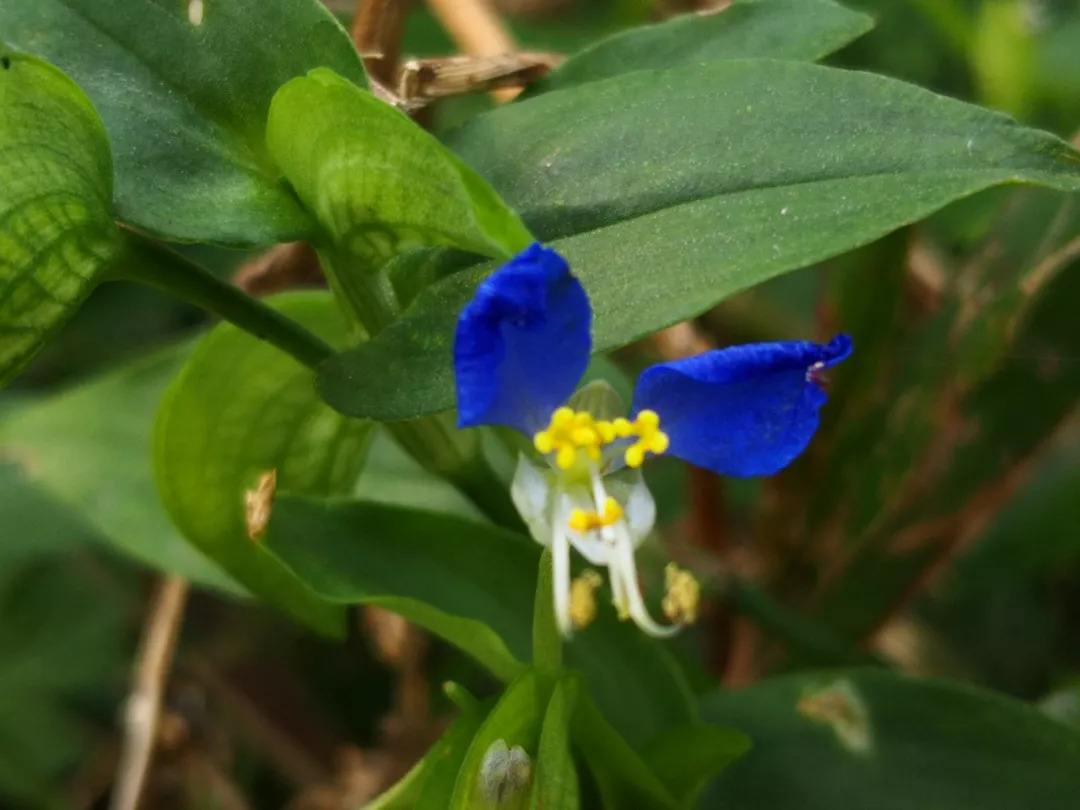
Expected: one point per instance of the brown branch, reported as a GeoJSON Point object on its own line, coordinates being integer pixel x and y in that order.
{"type": "Point", "coordinates": [143, 708]}
{"type": "Point", "coordinates": [475, 26]}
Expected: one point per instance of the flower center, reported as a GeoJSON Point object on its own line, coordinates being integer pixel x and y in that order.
{"type": "Point", "coordinates": [572, 431]}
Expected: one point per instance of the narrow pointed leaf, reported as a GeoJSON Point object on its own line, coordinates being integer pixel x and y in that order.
{"type": "Point", "coordinates": [773, 29]}
{"type": "Point", "coordinates": [670, 190]}
{"type": "Point", "coordinates": [184, 97]}
{"type": "Point", "coordinates": [556, 784]}
{"type": "Point", "coordinates": [57, 237]}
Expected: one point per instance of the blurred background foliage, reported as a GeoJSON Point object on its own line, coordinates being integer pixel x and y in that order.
{"type": "Point", "coordinates": [933, 527]}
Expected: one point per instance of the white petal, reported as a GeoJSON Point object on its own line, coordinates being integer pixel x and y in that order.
{"type": "Point", "coordinates": [639, 508]}
{"type": "Point", "coordinates": [534, 497]}
{"type": "Point", "coordinates": [560, 575]}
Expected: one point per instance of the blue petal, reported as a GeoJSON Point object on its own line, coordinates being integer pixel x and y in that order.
{"type": "Point", "coordinates": [746, 410]}
{"type": "Point", "coordinates": [522, 343]}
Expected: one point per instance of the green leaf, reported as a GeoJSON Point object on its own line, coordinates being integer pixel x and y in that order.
{"type": "Point", "coordinates": [777, 29]}
{"type": "Point", "coordinates": [430, 782]}
{"type": "Point", "coordinates": [515, 721]}
{"type": "Point", "coordinates": [469, 583]}
{"type": "Point", "coordinates": [64, 644]}
{"type": "Point", "coordinates": [185, 104]}
{"type": "Point", "coordinates": [685, 758]}
{"type": "Point", "coordinates": [719, 192]}
{"type": "Point", "coordinates": [555, 786]}
{"type": "Point", "coordinates": [472, 584]}
{"type": "Point", "coordinates": [376, 181]}
{"type": "Point", "coordinates": [241, 408]}
{"type": "Point", "coordinates": [873, 739]}
{"type": "Point", "coordinates": [56, 232]}
{"type": "Point", "coordinates": [89, 448]}
{"type": "Point", "coordinates": [622, 776]}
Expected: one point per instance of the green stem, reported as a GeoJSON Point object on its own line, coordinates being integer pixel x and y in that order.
{"type": "Point", "coordinates": [157, 266]}
{"type": "Point", "coordinates": [367, 291]}
{"type": "Point", "coordinates": [546, 638]}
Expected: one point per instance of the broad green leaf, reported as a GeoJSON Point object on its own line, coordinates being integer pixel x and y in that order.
{"type": "Point", "coordinates": [775, 29]}
{"type": "Point", "coordinates": [685, 758]}
{"type": "Point", "coordinates": [239, 409]}
{"type": "Point", "coordinates": [57, 237]}
{"type": "Point", "coordinates": [469, 583]}
{"type": "Point", "coordinates": [472, 584]}
{"type": "Point", "coordinates": [719, 191]}
{"type": "Point", "coordinates": [515, 721]}
{"type": "Point", "coordinates": [376, 181]}
{"type": "Point", "coordinates": [89, 448]}
{"type": "Point", "coordinates": [555, 786]}
{"type": "Point", "coordinates": [868, 738]}
{"type": "Point", "coordinates": [185, 97]}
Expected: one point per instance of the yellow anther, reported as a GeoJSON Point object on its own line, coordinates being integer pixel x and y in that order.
{"type": "Point", "coordinates": [583, 598]}
{"type": "Point", "coordinates": [650, 439]}
{"type": "Point", "coordinates": [565, 456]}
{"type": "Point", "coordinates": [543, 442]}
{"type": "Point", "coordinates": [570, 431]}
{"type": "Point", "coordinates": [683, 595]}
{"type": "Point", "coordinates": [582, 520]}
{"type": "Point", "coordinates": [606, 431]}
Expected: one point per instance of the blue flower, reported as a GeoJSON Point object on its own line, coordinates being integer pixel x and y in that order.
{"type": "Point", "coordinates": [521, 347]}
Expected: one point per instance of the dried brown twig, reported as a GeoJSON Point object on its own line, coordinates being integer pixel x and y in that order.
{"type": "Point", "coordinates": [143, 707]}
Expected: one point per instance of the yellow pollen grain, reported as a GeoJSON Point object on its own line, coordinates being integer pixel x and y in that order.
{"type": "Point", "coordinates": [683, 595]}
{"type": "Point", "coordinates": [583, 598]}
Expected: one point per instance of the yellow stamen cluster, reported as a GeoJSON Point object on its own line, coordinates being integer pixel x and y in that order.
{"type": "Point", "coordinates": [650, 439]}
{"type": "Point", "coordinates": [570, 431]}
{"type": "Point", "coordinates": [582, 520]}
{"type": "Point", "coordinates": [683, 595]}
{"type": "Point", "coordinates": [583, 598]}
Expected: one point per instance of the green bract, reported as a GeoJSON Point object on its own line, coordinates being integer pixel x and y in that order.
{"type": "Point", "coordinates": [57, 237]}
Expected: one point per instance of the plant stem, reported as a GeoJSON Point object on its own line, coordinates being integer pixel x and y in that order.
{"type": "Point", "coordinates": [144, 704]}
{"type": "Point", "coordinates": [157, 266]}
{"type": "Point", "coordinates": [546, 639]}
